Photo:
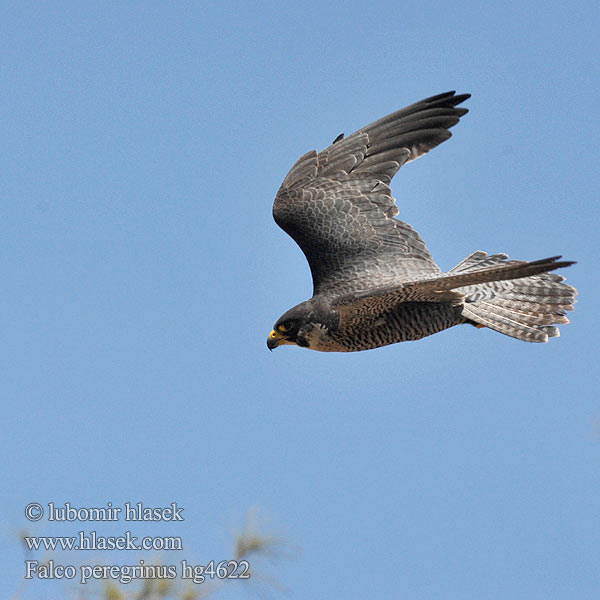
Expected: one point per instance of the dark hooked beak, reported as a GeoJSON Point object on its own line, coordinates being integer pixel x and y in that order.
{"type": "Point", "coordinates": [275, 338]}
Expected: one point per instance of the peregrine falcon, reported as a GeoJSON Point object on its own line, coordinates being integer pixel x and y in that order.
{"type": "Point", "coordinates": [374, 281]}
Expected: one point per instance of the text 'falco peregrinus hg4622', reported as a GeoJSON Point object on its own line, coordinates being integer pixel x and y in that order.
{"type": "Point", "coordinates": [375, 283]}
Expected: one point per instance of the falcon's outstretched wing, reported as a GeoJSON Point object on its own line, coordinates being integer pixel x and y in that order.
{"type": "Point", "coordinates": [337, 204]}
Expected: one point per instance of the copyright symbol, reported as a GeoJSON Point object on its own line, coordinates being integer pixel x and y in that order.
{"type": "Point", "coordinates": [34, 511]}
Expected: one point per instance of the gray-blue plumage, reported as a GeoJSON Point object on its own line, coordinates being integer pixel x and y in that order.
{"type": "Point", "coordinates": [374, 281]}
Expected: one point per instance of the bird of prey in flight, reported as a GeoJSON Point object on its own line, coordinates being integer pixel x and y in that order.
{"type": "Point", "coordinates": [374, 281]}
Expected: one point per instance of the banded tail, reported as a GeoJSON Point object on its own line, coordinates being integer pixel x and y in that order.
{"type": "Point", "coordinates": [517, 298]}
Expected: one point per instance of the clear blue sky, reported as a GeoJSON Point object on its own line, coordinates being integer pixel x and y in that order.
{"type": "Point", "coordinates": [142, 146]}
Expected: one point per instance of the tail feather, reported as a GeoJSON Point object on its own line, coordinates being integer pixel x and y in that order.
{"type": "Point", "coordinates": [527, 308]}
{"type": "Point", "coordinates": [539, 316]}
{"type": "Point", "coordinates": [535, 308]}
{"type": "Point", "coordinates": [536, 289]}
{"type": "Point", "coordinates": [537, 297]}
{"type": "Point", "coordinates": [479, 259]}
{"type": "Point", "coordinates": [498, 322]}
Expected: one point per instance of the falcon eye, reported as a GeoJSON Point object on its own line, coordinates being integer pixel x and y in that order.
{"type": "Point", "coordinates": [284, 327]}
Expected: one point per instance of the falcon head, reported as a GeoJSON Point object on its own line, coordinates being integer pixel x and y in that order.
{"type": "Point", "coordinates": [307, 325]}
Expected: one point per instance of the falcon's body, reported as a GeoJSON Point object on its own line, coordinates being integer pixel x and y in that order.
{"type": "Point", "coordinates": [375, 282]}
